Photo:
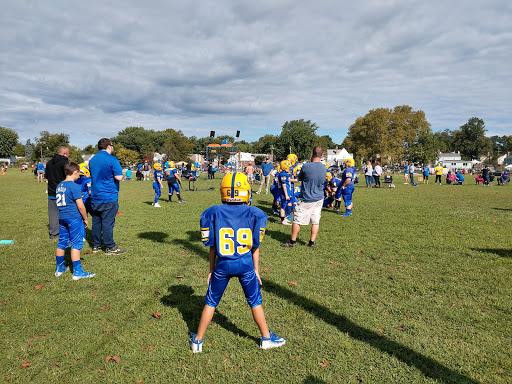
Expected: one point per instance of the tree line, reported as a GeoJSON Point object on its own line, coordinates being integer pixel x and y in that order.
{"type": "Point", "coordinates": [393, 135]}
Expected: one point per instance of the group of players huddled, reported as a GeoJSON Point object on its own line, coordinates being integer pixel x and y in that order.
{"type": "Point", "coordinates": [286, 193]}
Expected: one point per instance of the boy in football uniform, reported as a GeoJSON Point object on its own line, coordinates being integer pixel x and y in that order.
{"type": "Point", "coordinates": [328, 191]}
{"type": "Point", "coordinates": [233, 231]}
{"type": "Point", "coordinates": [173, 182]}
{"type": "Point", "coordinates": [85, 184]}
{"type": "Point", "coordinates": [286, 193]}
{"type": "Point", "coordinates": [347, 185]}
{"type": "Point", "coordinates": [72, 222]}
{"type": "Point", "coordinates": [274, 190]}
{"type": "Point", "coordinates": [157, 183]}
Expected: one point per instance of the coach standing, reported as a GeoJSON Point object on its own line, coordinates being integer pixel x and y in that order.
{"type": "Point", "coordinates": [266, 168]}
{"type": "Point", "coordinates": [55, 174]}
{"type": "Point", "coordinates": [106, 173]}
{"type": "Point", "coordinates": [309, 209]}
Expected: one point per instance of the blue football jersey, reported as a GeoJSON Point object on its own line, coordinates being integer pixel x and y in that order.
{"type": "Point", "coordinates": [234, 229]}
{"type": "Point", "coordinates": [157, 175]}
{"type": "Point", "coordinates": [284, 180]}
{"type": "Point", "coordinates": [85, 184]}
{"type": "Point", "coordinates": [335, 182]}
{"type": "Point", "coordinates": [348, 173]}
{"type": "Point", "coordinates": [67, 192]}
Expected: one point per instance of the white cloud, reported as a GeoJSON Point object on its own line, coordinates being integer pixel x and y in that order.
{"type": "Point", "coordinates": [91, 69]}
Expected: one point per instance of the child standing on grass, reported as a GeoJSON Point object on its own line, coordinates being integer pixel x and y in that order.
{"type": "Point", "coordinates": [72, 222]}
{"type": "Point", "coordinates": [233, 232]}
{"type": "Point", "coordinates": [157, 183]}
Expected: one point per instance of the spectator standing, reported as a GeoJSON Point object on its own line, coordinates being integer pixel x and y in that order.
{"type": "Point", "coordinates": [145, 171]}
{"type": "Point", "coordinates": [106, 173]}
{"type": "Point", "coordinates": [309, 209]}
{"type": "Point", "coordinates": [439, 173]}
{"type": "Point", "coordinates": [55, 174]}
{"type": "Point", "coordinates": [265, 175]}
{"type": "Point", "coordinates": [412, 168]}
{"type": "Point", "coordinates": [406, 173]}
{"type": "Point", "coordinates": [40, 172]}
{"type": "Point", "coordinates": [485, 175]}
{"type": "Point", "coordinates": [250, 173]}
{"type": "Point", "coordinates": [377, 171]}
{"type": "Point", "coordinates": [426, 172]}
{"type": "Point", "coordinates": [368, 170]}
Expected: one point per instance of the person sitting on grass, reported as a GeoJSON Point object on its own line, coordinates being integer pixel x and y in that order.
{"type": "Point", "coordinates": [233, 231]}
{"type": "Point", "coordinates": [479, 179]}
{"type": "Point", "coordinates": [460, 178]}
{"type": "Point", "coordinates": [72, 222]}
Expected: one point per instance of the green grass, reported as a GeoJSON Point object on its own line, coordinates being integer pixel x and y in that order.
{"type": "Point", "coordinates": [414, 287]}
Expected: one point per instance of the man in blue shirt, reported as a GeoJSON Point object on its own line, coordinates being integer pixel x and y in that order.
{"type": "Point", "coordinates": [266, 168]}
{"type": "Point", "coordinates": [309, 209]}
{"type": "Point", "coordinates": [106, 173]}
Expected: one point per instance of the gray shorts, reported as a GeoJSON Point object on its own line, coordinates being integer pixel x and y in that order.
{"type": "Point", "coordinates": [307, 212]}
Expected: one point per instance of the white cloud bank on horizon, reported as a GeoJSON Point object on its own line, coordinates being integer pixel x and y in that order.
{"type": "Point", "coordinates": [92, 69]}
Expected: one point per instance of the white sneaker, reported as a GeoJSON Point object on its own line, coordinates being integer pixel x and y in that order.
{"type": "Point", "coordinates": [196, 346]}
{"type": "Point", "coordinates": [156, 205]}
{"type": "Point", "coordinates": [273, 341]}
{"type": "Point", "coordinates": [257, 192]}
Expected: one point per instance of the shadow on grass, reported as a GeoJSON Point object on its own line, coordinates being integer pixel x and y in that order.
{"type": "Point", "coordinates": [429, 367]}
{"type": "Point", "coordinates": [284, 237]}
{"type": "Point", "coordinates": [313, 380]}
{"type": "Point", "coordinates": [496, 251]}
{"type": "Point", "coordinates": [503, 209]}
{"type": "Point", "coordinates": [159, 237]}
{"type": "Point", "coordinates": [191, 306]}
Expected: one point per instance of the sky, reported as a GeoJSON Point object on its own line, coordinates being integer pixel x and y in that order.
{"type": "Point", "coordinates": [92, 68]}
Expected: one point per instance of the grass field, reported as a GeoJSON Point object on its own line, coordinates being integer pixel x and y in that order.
{"type": "Point", "coordinates": [414, 287]}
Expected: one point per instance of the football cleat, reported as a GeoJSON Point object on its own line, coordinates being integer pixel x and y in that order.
{"type": "Point", "coordinates": [60, 269]}
{"type": "Point", "coordinates": [273, 341]}
{"type": "Point", "coordinates": [79, 273]}
{"type": "Point", "coordinates": [196, 346]}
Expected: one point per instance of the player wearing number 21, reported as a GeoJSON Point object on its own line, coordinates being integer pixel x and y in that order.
{"type": "Point", "coordinates": [72, 222]}
{"type": "Point", "coordinates": [233, 231]}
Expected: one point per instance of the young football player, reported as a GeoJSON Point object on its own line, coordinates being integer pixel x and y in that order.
{"type": "Point", "coordinates": [274, 190]}
{"type": "Point", "coordinates": [173, 181]}
{"type": "Point", "coordinates": [157, 183]}
{"type": "Point", "coordinates": [72, 222]}
{"type": "Point", "coordinates": [85, 184]}
{"type": "Point", "coordinates": [233, 231]}
{"type": "Point", "coordinates": [286, 193]}
{"type": "Point", "coordinates": [347, 185]}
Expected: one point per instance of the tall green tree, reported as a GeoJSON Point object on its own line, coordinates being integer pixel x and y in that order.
{"type": "Point", "coordinates": [425, 149]}
{"type": "Point", "coordinates": [135, 138]}
{"type": "Point", "coordinates": [29, 148]}
{"type": "Point", "coordinates": [176, 147]}
{"type": "Point", "coordinates": [297, 136]}
{"type": "Point", "coordinates": [265, 144]}
{"type": "Point", "coordinates": [471, 141]}
{"type": "Point", "coordinates": [8, 140]}
{"type": "Point", "coordinates": [387, 133]}
{"type": "Point", "coordinates": [19, 150]}
{"type": "Point", "coordinates": [47, 144]}
{"type": "Point", "coordinates": [445, 141]}
{"type": "Point", "coordinates": [126, 157]}
{"type": "Point", "coordinates": [90, 149]}
{"type": "Point", "coordinates": [325, 142]}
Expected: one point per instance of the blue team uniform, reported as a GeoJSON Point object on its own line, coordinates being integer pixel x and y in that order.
{"type": "Point", "coordinates": [85, 185]}
{"type": "Point", "coordinates": [284, 180]}
{"type": "Point", "coordinates": [348, 173]}
{"type": "Point", "coordinates": [172, 181]}
{"type": "Point", "coordinates": [156, 185]}
{"type": "Point", "coordinates": [71, 226]}
{"type": "Point", "coordinates": [233, 230]}
{"type": "Point", "coordinates": [274, 188]}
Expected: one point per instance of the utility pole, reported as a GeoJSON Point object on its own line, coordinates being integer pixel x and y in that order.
{"type": "Point", "coordinates": [272, 152]}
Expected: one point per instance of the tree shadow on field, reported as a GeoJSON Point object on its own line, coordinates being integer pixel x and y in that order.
{"type": "Point", "coordinates": [429, 367]}
{"type": "Point", "coordinates": [496, 251]}
{"type": "Point", "coordinates": [193, 243]}
{"type": "Point", "coordinates": [159, 237]}
{"type": "Point", "coordinates": [503, 209]}
{"type": "Point", "coordinates": [191, 306]}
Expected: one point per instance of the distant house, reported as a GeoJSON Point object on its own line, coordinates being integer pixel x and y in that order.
{"type": "Point", "coordinates": [453, 160]}
{"type": "Point", "coordinates": [241, 159]}
{"type": "Point", "coordinates": [507, 161]}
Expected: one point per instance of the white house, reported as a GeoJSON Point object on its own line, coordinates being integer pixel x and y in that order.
{"type": "Point", "coordinates": [241, 159]}
{"type": "Point", "coordinates": [453, 160]}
